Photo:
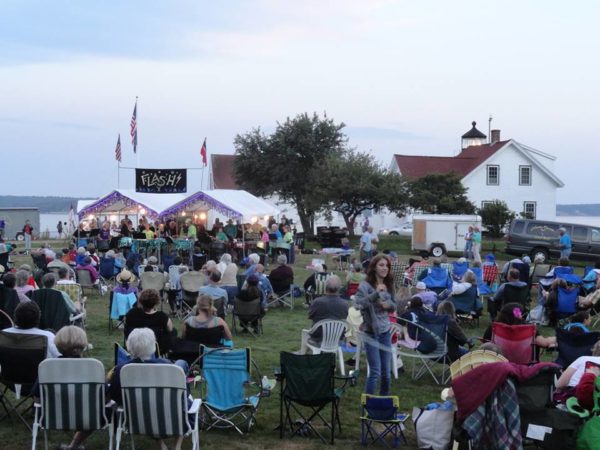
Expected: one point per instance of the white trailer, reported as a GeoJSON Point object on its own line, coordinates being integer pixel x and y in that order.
{"type": "Point", "coordinates": [437, 234]}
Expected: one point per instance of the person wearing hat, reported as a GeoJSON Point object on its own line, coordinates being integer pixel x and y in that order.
{"type": "Point", "coordinates": [564, 243]}
{"type": "Point", "coordinates": [153, 264]}
{"type": "Point", "coordinates": [124, 283]}
{"type": "Point", "coordinates": [429, 298]}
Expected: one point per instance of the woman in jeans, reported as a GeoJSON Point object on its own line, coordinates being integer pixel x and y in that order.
{"type": "Point", "coordinates": [375, 299]}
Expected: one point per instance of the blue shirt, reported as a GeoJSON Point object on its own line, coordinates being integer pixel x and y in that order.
{"type": "Point", "coordinates": [565, 241]}
{"type": "Point", "coordinates": [214, 291]}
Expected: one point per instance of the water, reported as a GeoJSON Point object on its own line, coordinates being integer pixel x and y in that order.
{"type": "Point", "coordinates": [48, 224]}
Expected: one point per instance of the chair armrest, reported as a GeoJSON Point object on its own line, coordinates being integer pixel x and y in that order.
{"type": "Point", "coordinates": [73, 318]}
{"type": "Point", "coordinates": [195, 407]}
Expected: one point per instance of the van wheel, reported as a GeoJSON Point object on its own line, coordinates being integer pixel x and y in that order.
{"type": "Point", "coordinates": [539, 252]}
{"type": "Point", "coordinates": [437, 251]}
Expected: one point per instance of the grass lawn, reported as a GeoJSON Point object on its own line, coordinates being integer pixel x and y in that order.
{"type": "Point", "coordinates": [281, 333]}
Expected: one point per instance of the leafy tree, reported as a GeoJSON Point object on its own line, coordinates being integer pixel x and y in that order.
{"type": "Point", "coordinates": [281, 163]}
{"type": "Point", "coordinates": [496, 215]}
{"type": "Point", "coordinates": [354, 182]}
{"type": "Point", "coordinates": [439, 194]}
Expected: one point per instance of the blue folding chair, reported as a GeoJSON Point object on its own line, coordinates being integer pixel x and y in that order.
{"type": "Point", "coordinates": [438, 279]}
{"type": "Point", "coordinates": [382, 411]}
{"type": "Point", "coordinates": [561, 271]}
{"type": "Point", "coordinates": [459, 269]}
{"type": "Point", "coordinates": [107, 268]}
{"type": "Point", "coordinates": [566, 302]}
{"type": "Point", "coordinates": [573, 345]}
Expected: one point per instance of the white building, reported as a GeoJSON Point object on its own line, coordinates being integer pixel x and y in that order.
{"type": "Point", "coordinates": [506, 170]}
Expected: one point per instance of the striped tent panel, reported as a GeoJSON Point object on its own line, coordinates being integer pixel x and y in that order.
{"type": "Point", "coordinates": [73, 406]}
{"type": "Point", "coordinates": [156, 411]}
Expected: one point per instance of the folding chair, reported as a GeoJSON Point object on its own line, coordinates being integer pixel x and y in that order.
{"type": "Point", "coordinates": [468, 306]}
{"type": "Point", "coordinates": [438, 279]}
{"type": "Point", "coordinates": [106, 269]}
{"type": "Point", "coordinates": [9, 300]}
{"type": "Point", "coordinates": [191, 282]}
{"type": "Point", "coordinates": [330, 332]}
{"type": "Point", "coordinates": [247, 313]}
{"type": "Point", "coordinates": [573, 345]}
{"type": "Point", "coordinates": [307, 388]}
{"type": "Point", "coordinates": [514, 294]}
{"type": "Point", "coordinates": [424, 342]}
{"type": "Point", "coordinates": [155, 404]}
{"type": "Point", "coordinates": [284, 298]}
{"type": "Point", "coordinates": [188, 349]}
{"type": "Point", "coordinates": [490, 274]}
{"type": "Point", "coordinates": [418, 272]}
{"type": "Point", "coordinates": [398, 271]}
{"type": "Point", "coordinates": [459, 269]}
{"type": "Point", "coordinates": [5, 321]}
{"type": "Point", "coordinates": [320, 282]}
{"type": "Point", "coordinates": [54, 312]}
{"type": "Point", "coordinates": [68, 386]}
{"type": "Point", "coordinates": [539, 272]}
{"type": "Point", "coordinates": [474, 359]}
{"type": "Point", "coordinates": [381, 411]}
{"type": "Point", "coordinates": [566, 302]}
{"type": "Point", "coordinates": [39, 261]}
{"type": "Point", "coordinates": [523, 269]}
{"type": "Point", "coordinates": [20, 356]}
{"type": "Point", "coordinates": [516, 341]}
{"type": "Point", "coordinates": [561, 271]}
{"type": "Point", "coordinates": [118, 306]}
{"type": "Point", "coordinates": [230, 395]}
{"type": "Point", "coordinates": [85, 280]}
{"type": "Point", "coordinates": [74, 291]}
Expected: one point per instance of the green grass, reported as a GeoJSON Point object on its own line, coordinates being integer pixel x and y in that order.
{"type": "Point", "coordinates": [281, 332]}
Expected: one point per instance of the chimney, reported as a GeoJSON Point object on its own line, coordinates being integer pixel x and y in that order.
{"type": "Point", "coordinates": [495, 136]}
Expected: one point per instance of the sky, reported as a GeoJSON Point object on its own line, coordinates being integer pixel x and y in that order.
{"type": "Point", "coordinates": [405, 77]}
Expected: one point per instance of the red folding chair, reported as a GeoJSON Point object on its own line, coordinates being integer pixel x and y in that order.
{"type": "Point", "coordinates": [490, 274]}
{"type": "Point", "coordinates": [517, 342]}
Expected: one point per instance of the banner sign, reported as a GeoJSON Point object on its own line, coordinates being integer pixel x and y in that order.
{"type": "Point", "coordinates": [161, 181]}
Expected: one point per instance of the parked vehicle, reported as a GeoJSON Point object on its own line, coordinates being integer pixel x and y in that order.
{"type": "Point", "coordinates": [405, 229]}
{"type": "Point", "coordinates": [437, 234]}
{"type": "Point", "coordinates": [539, 238]}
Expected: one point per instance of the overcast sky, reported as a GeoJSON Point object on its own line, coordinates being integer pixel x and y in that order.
{"type": "Point", "coordinates": [404, 76]}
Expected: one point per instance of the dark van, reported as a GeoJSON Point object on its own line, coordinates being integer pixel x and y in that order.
{"type": "Point", "coordinates": [540, 237]}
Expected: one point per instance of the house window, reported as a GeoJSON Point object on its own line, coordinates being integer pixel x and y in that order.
{"type": "Point", "coordinates": [485, 202]}
{"type": "Point", "coordinates": [529, 210]}
{"type": "Point", "coordinates": [524, 175]}
{"type": "Point", "coordinates": [493, 175]}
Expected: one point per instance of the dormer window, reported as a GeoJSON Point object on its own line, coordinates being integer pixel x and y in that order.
{"type": "Point", "coordinates": [493, 175]}
{"type": "Point", "coordinates": [524, 175]}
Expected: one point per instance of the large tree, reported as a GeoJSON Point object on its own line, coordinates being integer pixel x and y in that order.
{"type": "Point", "coordinates": [353, 183]}
{"type": "Point", "coordinates": [281, 163]}
{"type": "Point", "coordinates": [439, 194]}
{"type": "Point", "coordinates": [495, 216]}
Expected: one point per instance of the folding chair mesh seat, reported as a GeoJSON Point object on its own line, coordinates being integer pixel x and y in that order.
{"type": "Point", "coordinates": [418, 272]}
{"type": "Point", "coordinates": [468, 306]}
{"type": "Point", "coordinates": [474, 359]}
{"type": "Point", "coordinates": [85, 279]}
{"type": "Point", "coordinates": [284, 297]}
{"type": "Point", "coordinates": [398, 271]}
{"type": "Point", "coordinates": [20, 357]}
{"type": "Point", "coordinates": [516, 341]}
{"type": "Point", "coordinates": [155, 403]}
{"type": "Point", "coordinates": [247, 313]}
{"type": "Point", "coordinates": [225, 400]}
{"type": "Point", "coordinates": [490, 274]}
{"type": "Point", "coordinates": [71, 398]}
{"type": "Point", "coordinates": [380, 411]}
{"type": "Point", "coordinates": [74, 291]}
{"type": "Point", "coordinates": [54, 313]}
{"type": "Point", "coordinates": [190, 282]}
{"type": "Point", "coordinates": [307, 388]}
{"type": "Point", "coordinates": [573, 345]}
{"type": "Point", "coordinates": [118, 307]}
{"type": "Point", "coordinates": [153, 280]}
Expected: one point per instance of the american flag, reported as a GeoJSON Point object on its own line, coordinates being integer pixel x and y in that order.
{"type": "Point", "coordinates": [134, 128]}
{"type": "Point", "coordinates": [118, 149]}
{"type": "Point", "coordinates": [203, 153]}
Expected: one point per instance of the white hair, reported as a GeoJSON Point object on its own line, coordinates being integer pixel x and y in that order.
{"type": "Point", "coordinates": [254, 258]}
{"type": "Point", "coordinates": [225, 258]}
{"type": "Point", "coordinates": [333, 284]}
{"type": "Point", "coordinates": [282, 260]}
{"type": "Point", "coordinates": [141, 343]}
{"type": "Point", "coordinates": [211, 264]}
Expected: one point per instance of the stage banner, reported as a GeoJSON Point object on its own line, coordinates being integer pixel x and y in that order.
{"type": "Point", "coordinates": [161, 181]}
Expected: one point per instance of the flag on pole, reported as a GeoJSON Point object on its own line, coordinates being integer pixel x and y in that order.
{"type": "Point", "coordinates": [134, 128]}
{"type": "Point", "coordinates": [118, 149]}
{"type": "Point", "coordinates": [203, 153]}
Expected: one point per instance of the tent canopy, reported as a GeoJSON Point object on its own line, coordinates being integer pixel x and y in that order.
{"type": "Point", "coordinates": [229, 202]}
{"type": "Point", "coordinates": [127, 201]}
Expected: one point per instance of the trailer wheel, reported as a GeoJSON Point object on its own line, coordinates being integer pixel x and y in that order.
{"type": "Point", "coordinates": [20, 236]}
{"type": "Point", "coordinates": [437, 250]}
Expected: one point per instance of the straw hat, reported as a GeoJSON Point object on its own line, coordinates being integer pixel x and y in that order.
{"type": "Point", "coordinates": [125, 276]}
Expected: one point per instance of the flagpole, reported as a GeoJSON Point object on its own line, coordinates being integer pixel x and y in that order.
{"type": "Point", "coordinates": [118, 174]}
{"type": "Point", "coordinates": [136, 135]}
{"type": "Point", "coordinates": [203, 166]}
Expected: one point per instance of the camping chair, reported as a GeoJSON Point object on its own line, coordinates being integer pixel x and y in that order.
{"type": "Point", "coordinates": [66, 386]}
{"type": "Point", "coordinates": [284, 297]}
{"type": "Point", "coordinates": [188, 348]}
{"type": "Point", "coordinates": [474, 359]}
{"type": "Point", "coordinates": [330, 333]}
{"type": "Point", "coordinates": [539, 272]}
{"type": "Point", "coordinates": [459, 269]}
{"type": "Point", "coordinates": [227, 380]}
{"type": "Point", "coordinates": [468, 306]}
{"type": "Point", "coordinates": [118, 306]}
{"type": "Point", "coordinates": [419, 273]}
{"type": "Point", "coordinates": [5, 321]}
{"type": "Point", "coordinates": [511, 294]}
{"type": "Point", "coordinates": [381, 411]}
{"type": "Point", "coordinates": [247, 313]}
{"type": "Point", "coordinates": [39, 261]}
{"type": "Point", "coordinates": [54, 312]}
{"type": "Point", "coordinates": [523, 269]}
{"type": "Point", "coordinates": [9, 300]}
{"type": "Point", "coordinates": [307, 387]}
{"type": "Point", "coordinates": [566, 302]}
{"type": "Point", "coordinates": [20, 356]}
{"type": "Point", "coordinates": [84, 278]}
{"type": "Point", "coordinates": [155, 404]}
{"type": "Point", "coordinates": [319, 290]}
{"type": "Point", "coordinates": [153, 280]}
{"type": "Point", "coordinates": [561, 271]}
{"type": "Point", "coordinates": [398, 271]}
{"type": "Point", "coordinates": [190, 282]}
{"type": "Point", "coordinates": [424, 343]}
{"type": "Point", "coordinates": [516, 341]}
{"type": "Point", "coordinates": [573, 345]}
{"type": "Point", "coordinates": [490, 274]}
{"type": "Point", "coordinates": [74, 291]}
{"type": "Point", "coordinates": [106, 269]}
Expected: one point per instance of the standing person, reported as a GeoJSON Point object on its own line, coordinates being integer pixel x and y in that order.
{"type": "Point", "coordinates": [564, 243]}
{"type": "Point", "coordinates": [375, 300]}
{"type": "Point", "coordinates": [366, 244]}
{"type": "Point", "coordinates": [468, 251]}
{"type": "Point", "coordinates": [27, 233]}
{"type": "Point", "coordinates": [59, 229]}
{"type": "Point", "coordinates": [476, 244]}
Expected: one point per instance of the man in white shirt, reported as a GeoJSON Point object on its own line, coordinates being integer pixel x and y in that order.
{"type": "Point", "coordinates": [27, 321]}
{"type": "Point", "coordinates": [366, 243]}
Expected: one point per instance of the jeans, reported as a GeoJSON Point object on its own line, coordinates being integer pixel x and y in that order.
{"type": "Point", "coordinates": [565, 253]}
{"type": "Point", "coordinates": [232, 291]}
{"type": "Point", "coordinates": [27, 241]}
{"type": "Point", "coordinates": [378, 348]}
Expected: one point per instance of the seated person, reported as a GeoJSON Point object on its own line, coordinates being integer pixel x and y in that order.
{"type": "Point", "coordinates": [580, 322]}
{"type": "Point", "coordinates": [221, 236]}
{"type": "Point", "coordinates": [229, 272]}
{"type": "Point", "coordinates": [253, 261]}
{"type": "Point", "coordinates": [355, 273]}
{"type": "Point", "coordinates": [153, 263]}
{"type": "Point", "coordinates": [428, 298]}
{"type": "Point", "coordinates": [57, 264]}
{"type": "Point", "coordinates": [27, 321]}
{"type": "Point", "coordinates": [455, 336]}
{"type": "Point", "coordinates": [87, 265]}
{"type": "Point", "coordinates": [206, 317]}
{"type": "Point", "coordinates": [591, 278]}
{"type": "Point", "coordinates": [49, 282]}
{"type": "Point", "coordinates": [331, 306]}
{"type": "Point", "coordinates": [65, 276]}
{"type": "Point", "coordinates": [551, 296]}
{"type": "Point", "coordinates": [213, 289]}
{"type": "Point", "coordinates": [499, 298]}
{"type": "Point", "coordinates": [251, 292]}
{"type": "Point", "coordinates": [437, 277]}
{"type": "Point", "coordinates": [514, 314]}
{"type": "Point", "coordinates": [263, 281]}
{"type": "Point", "coordinates": [591, 299]}
{"type": "Point", "coordinates": [574, 374]}
{"type": "Point", "coordinates": [22, 286]}
{"type": "Point", "coordinates": [123, 285]}
{"type": "Point", "coordinates": [145, 315]}
{"type": "Point", "coordinates": [310, 285]}
{"type": "Point", "coordinates": [282, 276]}
{"type": "Point", "coordinates": [91, 252]}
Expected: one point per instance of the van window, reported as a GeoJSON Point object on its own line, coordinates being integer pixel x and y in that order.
{"type": "Point", "coordinates": [543, 229]}
{"type": "Point", "coordinates": [595, 235]}
{"type": "Point", "coordinates": [518, 227]}
{"type": "Point", "coordinates": [580, 233]}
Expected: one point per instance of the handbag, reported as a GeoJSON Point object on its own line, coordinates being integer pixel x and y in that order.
{"type": "Point", "coordinates": [433, 427]}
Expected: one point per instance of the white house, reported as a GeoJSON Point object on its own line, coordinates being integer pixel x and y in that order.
{"type": "Point", "coordinates": [505, 170]}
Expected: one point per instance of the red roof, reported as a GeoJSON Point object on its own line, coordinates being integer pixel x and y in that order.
{"type": "Point", "coordinates": [222, 171]}
{"type": "Point", "coordinates": [463, 163]}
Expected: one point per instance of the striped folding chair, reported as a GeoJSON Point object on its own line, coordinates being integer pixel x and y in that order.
{"type": "Point", "coordinates": [398, 270]}
{"type": "Point", "coordinates": [155, 404]}
{"type": "Point", "coordinates": [72, 398]}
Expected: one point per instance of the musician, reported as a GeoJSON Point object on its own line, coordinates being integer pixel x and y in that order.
{"type": "Point", "coordinates": [192, 232]}
{"type": "Point", "coordinates": [148, 232]}
{"type": "Point", "coordinates": [230, 229]}
{"type": "Point", "coordinates": [125, 229]}
{"type": "Point", "coordinates": [172, 229]}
